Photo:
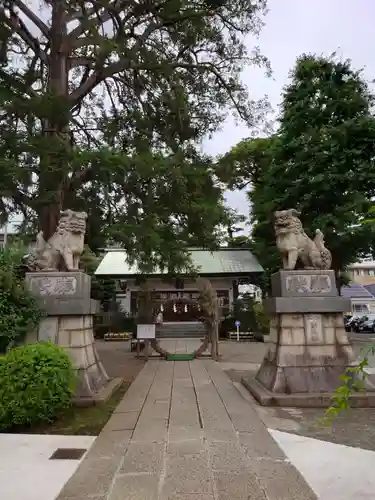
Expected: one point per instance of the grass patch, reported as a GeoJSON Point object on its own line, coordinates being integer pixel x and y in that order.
{"type": "Point", "coordinates": [79, 421]}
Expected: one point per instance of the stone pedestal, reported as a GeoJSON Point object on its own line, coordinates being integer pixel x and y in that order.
{"type": "Point", "coordinates": [309, 349]}
{"type": "Point", "coordinates": [69, 323]}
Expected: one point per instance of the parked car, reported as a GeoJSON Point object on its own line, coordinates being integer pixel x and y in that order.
{"type": "Point", "coordinates": [351, 323]}
{"type": "Point", "coordinates": [367, 326]}
{"type": "Point", "coordinates": [357, 321]}
{"type": "Point", "coordinates": [347, 321]}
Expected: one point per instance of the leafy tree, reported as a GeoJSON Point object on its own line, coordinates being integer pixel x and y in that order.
{"type": "Point", "coordinates": [321, 161]}
{"type": "Point", "coordinates": [20, 313]}
{"type": "Point", "coordinates": [107, 100]}
{"type": "Point", "coordinates": [232, 227]}
{"type": "Point", "coordinates": [245, 166]}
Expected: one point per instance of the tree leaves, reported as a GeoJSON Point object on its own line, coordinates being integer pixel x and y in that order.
{"type": "Point", "coordinates": [321, 161]}
{"type": "Point", "coordinates": [106, 106]}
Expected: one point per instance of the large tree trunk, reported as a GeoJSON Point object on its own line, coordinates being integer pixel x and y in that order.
{"type": "Point", "coordinates": [53, 168]}
{"type": "Point", "coordinates": [49, 216]}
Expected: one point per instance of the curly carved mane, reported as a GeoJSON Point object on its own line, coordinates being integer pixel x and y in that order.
{"type": "Point", "coordinates": [286, 221]}
{"type": "Point", "coordinates": [72, 222]}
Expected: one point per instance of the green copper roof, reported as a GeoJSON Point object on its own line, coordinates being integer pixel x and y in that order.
{"type": "Point", "coordinates": [231, 261]}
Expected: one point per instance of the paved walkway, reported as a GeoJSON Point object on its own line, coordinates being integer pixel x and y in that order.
{"type": "Point", "coordinates": [184, 432]}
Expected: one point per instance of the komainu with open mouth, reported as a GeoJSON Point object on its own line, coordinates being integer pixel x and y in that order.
{"type": "Point", "coordinates": [294, 244]}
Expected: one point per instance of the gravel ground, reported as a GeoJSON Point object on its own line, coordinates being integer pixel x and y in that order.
{"type": "Point", "coordinates": [356, 428]}
{"type": "Point", "coordinates": [118, 360]}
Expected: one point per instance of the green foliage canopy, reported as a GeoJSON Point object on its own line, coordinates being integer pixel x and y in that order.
{"type": "Point", "coordinates": [321, 161]}
{"type": "Point", "coordinates": [104, 110]}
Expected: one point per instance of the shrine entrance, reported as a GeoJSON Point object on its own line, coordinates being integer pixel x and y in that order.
{"type": "Point", "coordinates": [181, 305]}
{"type": "Point", "coordinates": [181, 310]}
{"type": "Point", "coordinates": [176, 310]}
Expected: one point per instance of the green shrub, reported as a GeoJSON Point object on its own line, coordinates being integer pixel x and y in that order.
{"type": "Point", "coordinates": [36, 383]}
{"type": "Point", "coordinates": [19, 310]}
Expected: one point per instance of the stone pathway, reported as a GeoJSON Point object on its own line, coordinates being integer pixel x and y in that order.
{"type": "Point", "coordinates": [184, 432]}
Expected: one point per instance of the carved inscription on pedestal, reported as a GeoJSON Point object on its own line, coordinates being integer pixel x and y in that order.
{"type": "Point", "coordinates": [308, 283]}
{"type": "Point", "coordinates": [314, 329]}
{"type": "Point", "coordinates": [54, 285]}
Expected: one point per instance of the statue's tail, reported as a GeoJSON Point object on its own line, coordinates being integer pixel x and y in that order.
{"type": "Point", "coordinates": [319, 240]}
{"type": "Point", "coordinates": [40, 241]}
{"type": "Point", "coordinates": [324, 252]}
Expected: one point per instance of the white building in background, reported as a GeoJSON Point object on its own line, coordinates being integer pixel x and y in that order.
{"type": "Point", "coordinates": [362, 272]}
{"type": "Point", "coordinates": [225, 268]}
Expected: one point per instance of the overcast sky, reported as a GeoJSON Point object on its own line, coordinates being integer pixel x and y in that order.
{"type": "Point", "coordinates": [292, 28]}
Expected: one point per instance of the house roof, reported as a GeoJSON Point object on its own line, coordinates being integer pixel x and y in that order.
{"type": "Point", "coordinates": [226, 261]}
{"type": "Point", "coordinates": [371, 289]}
{"type": "Point", "coordinates": [355, 290]}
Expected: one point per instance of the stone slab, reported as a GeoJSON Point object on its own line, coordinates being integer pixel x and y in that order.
{"type": "Point", "coordinates": [302, 400]}
{"type": "Point", "coordinates": [62, 294]}
{"type": "Point", "coordinates": [48, 329]}
{"type": "Point", "coordinates": [307, 305]}
{"type": "Point", "coordinates": [59, 284]}
{"type": "Point", "coordinates": [143, 458]}
{"type": "Point", "coordinates": [304, 283]}
{"type": "Point", "coordinates": [64, 306]}
{"type": "Point", "coordinates": [135, 487]}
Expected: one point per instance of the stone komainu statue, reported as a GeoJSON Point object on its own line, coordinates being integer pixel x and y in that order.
{"type": "Point", "coordinates": [294, 244]}
{"type": "Point", "coordinates": [63, 250]}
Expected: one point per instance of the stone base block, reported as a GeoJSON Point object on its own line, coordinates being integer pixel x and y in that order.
{"type": "Point", "coordinates": [307, 378]}
{"type": "Point", "coordinates": [304, 283]}
{"type": "Point", "coordinates": [61, 293]}
{"type": "Point", "coordinates": [303, 400]}
{"type": "Point", "coordinates": [308, 353]}
{"type": "Point", "coordinates": [65, 297]}
{"type": "Point", "coordinates": [101, 396]}
{"type": "Point", "coordinates": [75, 334]}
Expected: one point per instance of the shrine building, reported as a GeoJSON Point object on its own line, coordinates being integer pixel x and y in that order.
{"type": "Point", "coordinates": [226, 268]}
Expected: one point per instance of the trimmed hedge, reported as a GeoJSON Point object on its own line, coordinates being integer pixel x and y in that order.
{"type": "Point", "coordinates": [36, 384]}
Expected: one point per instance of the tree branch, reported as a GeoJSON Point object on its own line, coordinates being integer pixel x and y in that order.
{"type": "Point", "coordinates": [33, 18]}
{"type": "Point", "coordinates": [79, 178]}
{"type": "Point", "coordinates": [75, 62]}
{"type": "Point", "coordinates": [20, 28]}
{"type": "Point", "coordinates": [16, 83]}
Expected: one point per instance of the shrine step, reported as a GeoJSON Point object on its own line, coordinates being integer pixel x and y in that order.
{"type": "Point", "coordinates": [181, 330]}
